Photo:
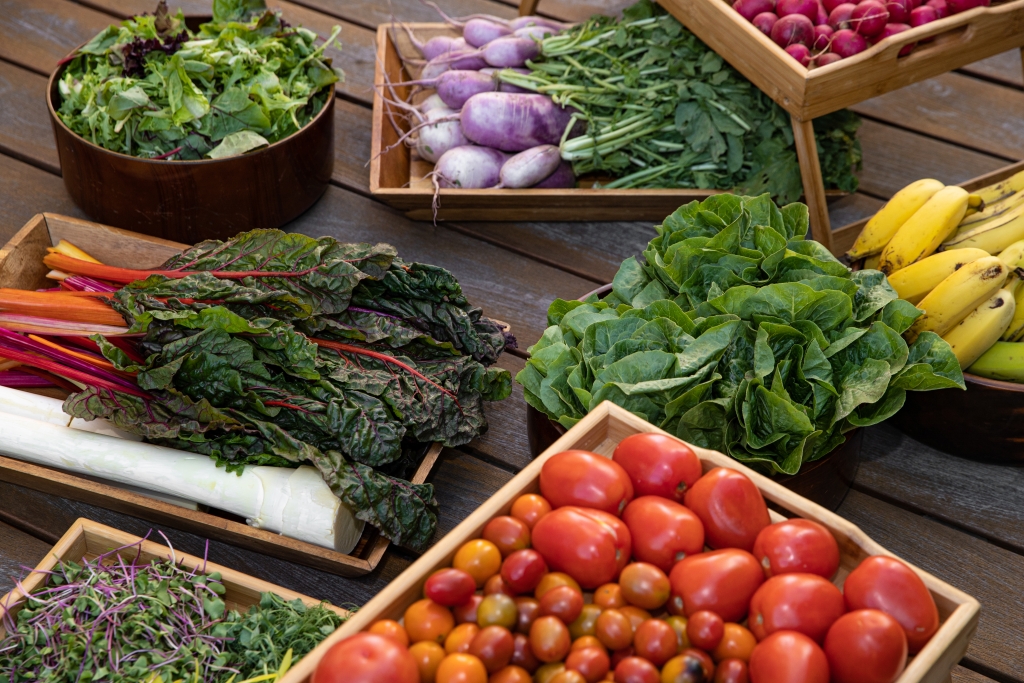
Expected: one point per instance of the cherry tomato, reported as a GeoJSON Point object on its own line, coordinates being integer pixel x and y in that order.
{"type": "Point", "coordinates": [461, 668]}
{"type": "Point", "coordinates": [592, 662]}
{"type": "Point", "coordinates": [467, 613]}
{"type": "Point", "coordinates": [732, 671]}
{"type": "Point", "coordinates": [547, 673]}
{"type": "Point", "coordinates": [522, 570]}
{"type": "Point", "coordinates": [529, 508]}
{"type": "Point", "coordinates": [586, 622]}
{"type": "Point", "coordinates": [678, 625]}
{"type": "Point", "coordinates": [644, 585]}
{"type": "Point", "coordinates": [587, 480]}
{"type": "Point", "coordinates": [655, 641]}
{"type": "Point", "coordinates": [635, 615]}
{"type": "Point", "coordinates": [689, 666]}
{"type": "Point", "coordinates": [588, 545]}
{"type": "Point", "coordinates": [568, 676]}
{"type": "Point", "coordinates": [428, 656]}
{"type": "Point", "coordinates": [493, 646]}
{"type": "Point", "coordinates": [705, 629]}
{"type": "Point", "coordinates": [427, 620]}
{"type": "Point", "coordinates": [553, 580]}
{"type": "Point", "coordinates": [496, 584]}
{"type": "Point", "coordinates": [658, 465]}
{"type": "Point", "coordinates": [391, 629]}
{"type": "Point", "coordinates": [721, 581]}
{"type": "Point", "coordinates": [886, 584]}
{"type": "Point", "coordinates": [527, 610]}
{"type": "Point", "coordinates": [563, 602]}
{"type": "Point", "coordinates": [585, 641]}
{"type": "Point", "coordinates": [797, 546]}
{"type": "Point", "coordinates": [460, 638]}
{"type": "Point", "coordinates": [619, 655]}
{"type": "Point", "coordinates": [614, 629]}
{"type": "Point", "coordinates": [788, 657]}
{"type": "Point", "coordinates": [449, 587]}
{"type": "Point", "coordinates": [609, 596]}
{"type": "Point", "coordinates": [508, 534]}
{"type": "Point", "coordinates": [549, 639]}
{"type": "Point", "coordinates": [663, 531]}
{"type": "Point", "coordinates": [367, 658]}
{"type": "Point", "coordinates": [737, 643]}
{"type": "Point", "coordinates": [636, 670]}
{"type": "Point", "coordinates": [806, 603]}
{"type": "Point", "coordinates": [522, 654]}
{"type": "Point", "coordinates": [497, 610]}
{"type": "Point", "coordinates": [866, 646]}
{"type": "Point", "coordinates": [479, 558]}
{"type": "Point", "coordinates": [511, 674]}
{"type": "Point", "coordinates": [730, 507]}
{"type": "Point", "coordinates": [704, 658]}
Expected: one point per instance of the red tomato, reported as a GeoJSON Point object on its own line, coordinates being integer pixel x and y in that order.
{"type": "Point", "coordinates": [788, 657]}
{"type": "Point", "coordinates": [805, 603]}
{"type": "Point", "coordinates": [508, 533]}
{"type": "Point", "coordinates": [658, 465]}
{"type": "Point", "coordinates": [587, 480]}
{"type": "Point", "coordinates": [592, 662]}
{"type": "Point", "coordinates": [644, 585]}
{"type": "Point", "coordinates": [705, 629]}
{"type": "Point", "coordinates": [866, 646]}
{"type": "Point", "coordinates": [563, 602]}
{"type": "Point", "coordinates": [522, 570]}
{"type": "Point", "coordinates": [886, 584]}
{"type": "Point", "coordinates": [663, 531]}
{"type": "Point", "coordinates": [493, 646]}
{"type": "Point", "coordinates": [721, 581]}
{"type": "Point", "coordinates": [655, 641]}
{"type": "Point", "coordinates": [732, 671]}
{"type": "Point", "coordinates": [636, 670]}
{"type": "Point", "coordinates": [797, 545]}
{"type": "Point", "coordinates": [589, 545]}
{"type": "Point", "coordinates": [450, 587]}
{"type": "Point", "coordinates": [496, 584]}
{"type": "Point", "coordinates": [522, 654]}
{"type": "Point", "coordinates": [731, 508]}
{"type": "Point", "coordinates": [467, 612]}
{"type": "Point", "coordinates": [367, 658]}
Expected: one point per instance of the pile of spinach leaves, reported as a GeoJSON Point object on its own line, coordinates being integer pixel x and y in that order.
{"type": "Point", "coordinates": [737, 334]}
{"type": "Point", "coordinates": [235, 374]}
{"type": "Point", "coordinates": [152, 88]}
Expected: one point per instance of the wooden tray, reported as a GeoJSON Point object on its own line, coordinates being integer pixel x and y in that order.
{"type": "Point", "coordinates": [21, 267]}
{"type": "Point", "coordinates": [601, 431]}
{"type": "Point", "coordinates": [88, 539]}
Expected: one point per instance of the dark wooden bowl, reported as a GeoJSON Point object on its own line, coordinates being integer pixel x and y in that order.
{"type": "Point", "coordinates": [189, 201]}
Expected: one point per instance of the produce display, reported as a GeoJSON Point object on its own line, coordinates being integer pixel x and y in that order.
{"type": "Point", "coordinates": [125, 621]}
{"type": "Point", "coordinates": [636, 102]}
{"type": "Point", "coordinates": [820, 32]}
{"type": "Point", "coordinates": [154, 89]}
{"type": "Point", "coordinates": [737, 334]}
{"type": "Point", "coordinates": [266, 351]}
{"type": "Point", "coordinates": [638, 569]}
{"type": "Point", "coordinates": [958, 256]}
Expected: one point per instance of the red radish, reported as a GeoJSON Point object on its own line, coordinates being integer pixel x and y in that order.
{"type": "Point", "coordinates": [869, 18]}
{"type": "Point", "coordinates": [793, 29]}
{"type": "Point", "coordinates": [830, 5]}
{"type": "Point", "coordinates": [899, 11]}
{"type": "Point", "coordinates": [822, 17]}
{"type": "Point", "coordinates": [826, 58]}
{"type": "Point", "coordinates": [958, 6]}
{"type": "Point", "coordinates": [800, 53]}
{"type": "Point", "coordinates": [893, 29]}
{"type": "Point", "coordinates": [510, 51]}
{"type": "Point", "coordinates": [479, 32]}
{"type": "Point", "coordinates": [807, 8]}
{"type": "Point", "coordinates": [528, 168]}
{"type": "Point", "coordinates": [847, 43]}
{"type": "Point", "coordinates": [748, 9]}
{"type": "Point", "coordinates": [765, 21]}
{"type": "Point", "coordinates": [822, 36]}
{"type": "Point", "coordinates": [919, 16]}
{"type": "Point", "coordinates": [469, 167]}
{"type": "Point", "coordinates": [840, 16]}
{"type": "Point", "coordinates": [941, 7]}
{"type": "Point", "coordinates": [563, 177]}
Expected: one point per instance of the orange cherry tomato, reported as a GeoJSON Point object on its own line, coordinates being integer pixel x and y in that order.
{"type": "Point", "coordinates": [568, 676]}
{"type": "Point", "coordinates": [391, 629]}
{"type": "Point", "coordinates": [479, 558]}
{"type": "Point", "coordinates": [737, 643]}
{"type": "Point", "coordinates": [496, 584]}
{"type": "Point", "coordinates": [460, 638]}
{"type": "Point", "coordinates": [586, 622]}
{"type": "Point", "coordinates": [655, 641]}
{"type": "Point", "coordinates": [585, 641]}
{"type": "Point", "coordinates": [508, 534]}
{"type": "Point", "coordinates": [527, 610]}
{"type": "Point", "coordinates": [806, 603]}
{"type": "Point", "coordinates": [587, 480]}
{"type": "Point", "coordinates": [529, 508]}
{"type": "Point", "coordinates": [366, 658]}
{"type": "Point", "coordinates": [467, 612]}
{"type": "Point", "coordinates": [592, 662]}
{"type": "Point", "coordinates": [663, 531]}
{"type": "Point", "coordinates": [493, 646]}
{"type": "Point", "coordinates": [732, 671]}
{"type": "Point", "coordinates": [522, 654]}
{"type": "Point", "coordinates": [797, 546]}
{"type": "Point", "coordinates": [722, 581]}
{"type": "Point", "coordinates": [788, 657]}
{"type": "Point", "coordinates": [635, 615]}
{"type": "Point", "coordinates": [705, 630]}
{"type": "Point", "coordinates": [461, 668]}
{"type": "Point", "coordinates": [644, 585]}
{"type": "Point", "coordinates": [511, 674]}
{"type": "Point", "coordinates": [523, 570]}
{"type": "Point", "coordinates": [428, 656]}
{"type": "Point", "coordinates": [886, 584]}
{"type": "Point", "coordinates": [549, 639]}
{"type": "Point", "coordinates": [609, 596]}
{"type": "Point", "coordinates": [427, 620]}
{"type": "Point", "coordinates": [658, 465]}
{"type": "Point", "coordinates": [497, 609]}
{"type": "Point", "coordinates": [553, 580]}
{"type": "Point", "coordinates": [636, 670]}
{"type": "Point", "coordinates": [563, 602]}
{"type": "Point", "coordinates": [547, 672]}
{"type": "Point", "coordinates": [590, 545]}
{"type": "Point", "coordinates": [614, 629]}
{"type": "Point", "coordinates": [730, 507]}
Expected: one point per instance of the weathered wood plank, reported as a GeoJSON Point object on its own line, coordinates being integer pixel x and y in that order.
{"type": "Point", "coordinates": [371, 13]}
{"type": "Point", "coordinates": [27, 191]}
{"type": "Point", "coordinates": [962, 675]}
{"type": "Point", "coordinates": [576, 10]}
{"type": "Point", "coordinates": [1004, 68]}
{"type": "Point", "coordinates": [352, 132]}
{"type": "Point", "coordinates": [25, 131]}
{"type": "Point", "coordinates": [38, 34]}
{"type": "Point", "coordinates": [17, 550]}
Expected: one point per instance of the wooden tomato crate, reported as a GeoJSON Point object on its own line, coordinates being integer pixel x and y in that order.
{"type": "Point", "coordinates": [21, 267]}
{"type": "Point", "coordinates": [87, 539]}
{"type": "Point", "coordinates": [600, 431]}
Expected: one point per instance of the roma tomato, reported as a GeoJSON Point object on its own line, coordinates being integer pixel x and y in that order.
{"type": "Point", "coordinates": [866, 646]}
{"type": "Point", "coordinates": [591, 546]}
{"type": "Point", "coordinates": [508, 533]}
{"type": "Point", "coordinates": [886, 584]}
{"type": "Point", "coordinates": [655, 641]}
{"type": "Point", "coordinates": [636, 670]}
{"type": "Point", "coordinates": [427, 620]}
{"type": "Point", "coordinates": [450, 587]}
{"type": "Point", "coordinates": [730, 507]}
{"type": "Point", "coordinates": [658, 465]}
{"type": "Point", "coordinates": [705, 629]}
{"type": "Point", "coordinates": [529, 508]}
{"type": "Point", "coordinates": [585, 479]}
{"type": "Point", "coordinates": [805, 603]}
{"type": "Point", "coordinates": [797, 546]}
{"type": "Point", "coordinates": [732, 671]}
{"type": "Point", "coordinates": [523, 569]}
{"type": "Point", "coordinates": [644, 585]}
{"type": "Point", "coordinates": [367, 658]}
{"type": "Point", "coordinates": [788, 657]}
{"type": "Point", "coordinates": [592, 662]}
{"type": "Point", "coordinates": [721, 581]}
{"type": "Point", "coordinates": [663, 531]}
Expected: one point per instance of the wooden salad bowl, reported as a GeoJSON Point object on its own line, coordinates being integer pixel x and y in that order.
{"type": "Point", "coordinates": [190, 201]}
{"type": "Point", "coordinates": [825, 481]}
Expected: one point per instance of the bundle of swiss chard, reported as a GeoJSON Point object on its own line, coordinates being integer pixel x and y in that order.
{"type": "Point", "coordinates": [276, 349]}
{"type": "Point", "coordinates": [737, 334]}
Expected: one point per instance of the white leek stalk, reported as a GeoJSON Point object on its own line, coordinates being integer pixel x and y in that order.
{"type": "Point", "coordinates": [46, 409]}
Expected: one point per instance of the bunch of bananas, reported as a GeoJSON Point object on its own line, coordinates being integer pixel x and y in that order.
{"type": "Point", "coordinates": [972, 291]}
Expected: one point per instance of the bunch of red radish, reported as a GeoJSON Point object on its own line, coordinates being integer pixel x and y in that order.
{"type": "Point", "coordinates": [820, 32]}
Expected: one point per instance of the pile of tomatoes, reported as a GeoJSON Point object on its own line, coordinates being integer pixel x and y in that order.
{"type": "Point", "coordinates": [605, 576]}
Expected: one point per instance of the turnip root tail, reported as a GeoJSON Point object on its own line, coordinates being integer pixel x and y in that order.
{"type": "Point", "coordinates": [399, 141]}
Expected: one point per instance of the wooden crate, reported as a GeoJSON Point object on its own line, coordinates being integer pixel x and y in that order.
{"type": "Point", "coordinates": [87, 539]}
{"type": "Point", "coordinates": [600, 431]}
{"type": "Point", "coordinates": [21, 267]}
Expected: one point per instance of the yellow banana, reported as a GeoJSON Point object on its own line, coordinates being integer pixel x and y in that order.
{"type": "Point", "coordinates": [1012, 254]}
{"type": "Point", "coordinates": [915, 281]}
{"type": "Point", "coordinates": [981, 328]}
{"type": "Point", "coordinates": [871, 262]}
{"type": "Point", "coordinates": [1016, 327]}
{"type": "Point", "coordinates": [992, 236]}
{"type": "Point", "coordinates": [959, 294]}
{"type": "Point", "coordinates": [926, 229]}
{"type": "Point", "coordinates": [884, 224]}
{"type": "Point", "coordinates": [991, 211]}
{"type": "Point", "coordinates": [1004, 360]}
{"type": "Point", "coordinates": [1002, 189]}
{"type": "Point", "coordinates": [975, 201]}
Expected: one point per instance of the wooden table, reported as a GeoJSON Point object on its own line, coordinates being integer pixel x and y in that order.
{"type": "Point", "coordinates": [962, 521]}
